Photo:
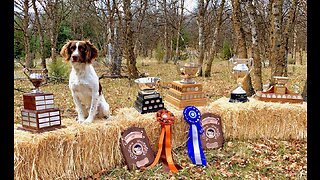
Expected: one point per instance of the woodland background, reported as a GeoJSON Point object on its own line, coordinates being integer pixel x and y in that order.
{"type": "Point", "coordinates": [138, 38]}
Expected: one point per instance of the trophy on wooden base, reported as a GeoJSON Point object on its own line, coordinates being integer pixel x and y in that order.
{"type": "Point", "coordinates": [240, 70]}
{"type": "Point", "coordinates": [279, 92]}
{"type": "Point", "coordinates": [186, 92]}
{"type": "Point", "coordinates": [148, 99]}
{"type": "Point", "coordinates": [39, 113]}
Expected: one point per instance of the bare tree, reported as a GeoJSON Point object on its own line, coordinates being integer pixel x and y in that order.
{"type": "Point", "coordinates": [277, 63]}
{"type": "Point", "coordinates": [22, 13]}
{"type": "Point", "coordinates": [216, 34]}
{"type": "Point", "coordinates": [180, 21]}
{"type": "Point", "coordinates": [255, 46]}
{"type": "Point", "coordinates": [40, 34]}
{"type": "Point", "coordinates": [129, 42]}
{"type": "Point", "coordinates": [287, 32]}
{"type": "Point", "coordinates": [202, 6]}
{"type": "Point", "coordinates": [166, 36]}
{"type": "Point", "coordinates": [56, 11]}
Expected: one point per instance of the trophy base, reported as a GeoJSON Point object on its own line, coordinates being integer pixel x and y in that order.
{"type": "Point", "coordinates": [40, 120]}
{"type": "Point", "coordinates": [52, 128]}
{"type": "Point", "coordinates": [238, 98]}
{"type": "Point", "coordinates": [148, 102]}
{"type": "Point", "coordinates": [181, 95]}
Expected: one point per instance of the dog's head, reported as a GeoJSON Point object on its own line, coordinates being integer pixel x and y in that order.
{"type": "Point", "coordinates": [79, 51]}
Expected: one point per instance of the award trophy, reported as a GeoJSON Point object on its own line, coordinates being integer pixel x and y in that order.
{"type": "Point", "coordinates": [186, 92]}
{"type": "Point", "coordinates": [240, 70]}
{"type": "Point", "coordinates": [148, 99]}
{"type": "Point", "coordinates": [279, 92]}
{"type": "Point", "coordinates": [39, 114]}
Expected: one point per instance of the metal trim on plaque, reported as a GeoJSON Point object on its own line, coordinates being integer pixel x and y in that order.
{"type": "Point", "coordinates": [135, 148]}
{"type": "Point", "coordinates": [212, 137]}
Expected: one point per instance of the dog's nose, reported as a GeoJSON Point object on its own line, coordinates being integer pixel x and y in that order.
{"type": "Point", "coordinates": [75, 58]}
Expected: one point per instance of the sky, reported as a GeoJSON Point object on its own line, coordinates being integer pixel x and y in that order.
{"type": "Point", "coordinates": [190, 4]}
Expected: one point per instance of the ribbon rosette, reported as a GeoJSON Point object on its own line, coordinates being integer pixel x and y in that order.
{"type": "Point", "coordinates": [192, 115]}
{"type": "Point", "coordinates": [166, 119]}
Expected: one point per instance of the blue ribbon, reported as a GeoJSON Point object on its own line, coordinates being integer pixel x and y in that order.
{"type": "Point", "coordinates": [195, 152]}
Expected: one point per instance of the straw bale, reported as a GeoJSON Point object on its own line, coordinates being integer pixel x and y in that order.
{"type": "Point", "coordinates": [82, 150]}
{"type": "Point", "coordinates": [258, 119]}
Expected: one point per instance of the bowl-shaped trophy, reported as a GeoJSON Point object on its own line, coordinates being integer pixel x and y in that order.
{"type": "Point", "coordinates": [148, 99]}
{"type": "Point", "coordinates": [239, 94]}
{"type": "Point", "coordinates": [187, 71]}
{"type": "Point", "coordinates": [148, 85]}
{"type": "Point", "coordinates": [281, 81]}
{"type": "Point", "coordinates": [36, 77]}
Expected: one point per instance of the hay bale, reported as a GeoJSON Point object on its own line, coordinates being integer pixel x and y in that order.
{"type": "Point", "coordinates": [258, 119]}
{"type": "Point", "coordinates": [82, 150]}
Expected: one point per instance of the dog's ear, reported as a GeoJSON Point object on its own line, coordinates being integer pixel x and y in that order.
{"type": "Point", "coordinates": [65, 51]}
{"type": "Point", "coordinates": [92, 51]}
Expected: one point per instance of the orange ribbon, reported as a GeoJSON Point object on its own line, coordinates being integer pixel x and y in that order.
{"type": "Point", "coordinates": [166, 119]}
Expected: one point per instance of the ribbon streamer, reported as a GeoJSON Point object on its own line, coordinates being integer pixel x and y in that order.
{"type": "Point", "coordinates": [192, 116]}
{"type": "Point", "coordinates": [166, 119]}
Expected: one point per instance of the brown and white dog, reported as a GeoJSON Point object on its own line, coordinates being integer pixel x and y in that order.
{"type": "Point", "coordinates": [83, 81]}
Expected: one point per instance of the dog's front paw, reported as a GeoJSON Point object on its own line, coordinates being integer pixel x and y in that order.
{"type": "Point", "coordinates": [80, 120]}
{"type": "Point", "coordinates": [87, 121]}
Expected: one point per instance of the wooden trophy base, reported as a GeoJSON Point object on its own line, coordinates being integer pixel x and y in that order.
{"type": "Point", "coordinates": [41, 120]}
{"type": "Point", "coordinates": [276, 94]}
{"type": "Point", "coordinates": [51, 128]}
{"type": "Point", "coordinates": [181, 95]}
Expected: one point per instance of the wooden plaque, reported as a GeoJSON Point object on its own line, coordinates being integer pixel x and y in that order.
{"type": "Point", "coordinates": [38, 101]}
{"type": "Point", "coordinates": [136, 148]}
{"type": "Point", "coordinates": [212, 137]}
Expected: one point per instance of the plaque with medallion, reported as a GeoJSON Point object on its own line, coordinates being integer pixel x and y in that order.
{"type": "Point", "coordinates": [38, 113]}
{"type": "Point", "coordinates": [212, 138]}
{"type": "Point", "coordinates": [136, 148]}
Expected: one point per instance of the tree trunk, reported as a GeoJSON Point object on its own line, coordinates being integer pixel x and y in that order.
{"type": "Point", "coordinates": [177, 55]}
{"type": "Point", "coordinates": [304, 91]}
{"type": "Point", "coordinates": [241, 44]}
{"type": "Point", "coordinates": [200, 22]}
{"type": "Point", "coordinates": [284, 49]}
{"type": "Point", "coordinates": [129, 44]}
{"type": "Point", "coordinates": [40, 33]}
{"type": "Point", "coordinates": [277, 61]}
{"type": "Point", "coordinates": [257, 78]}
{"type": "Point", "coordinates": [238, 29]}
{"type": "Point", "coordinates": [294, 50]}
{"type": "Point", "coordinates": [166, 29]}
{"type": "Point", "coordinates": [207, 72]}
{"type": "Point", "coordinates": [269, 23]}
{"type": "Point", "coordinates": [300, 56]}
{"type": "Point", "coordinates": [26, 39]}
{"type": "Point", "coordinates": [114, 51]}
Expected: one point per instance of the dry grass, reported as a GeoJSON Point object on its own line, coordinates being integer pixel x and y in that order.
{"type": "Point", "coordinates": [74, 161]}
{"type": "Point", "coordinates": [121, 92]}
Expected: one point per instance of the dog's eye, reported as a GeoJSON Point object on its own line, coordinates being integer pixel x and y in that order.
{"type": "Point", "coordinates": [81, 48]}
{"type": "Point", "coordinates": [73, 48]}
